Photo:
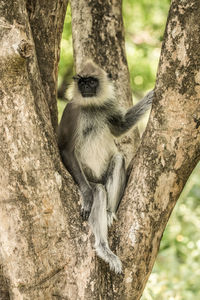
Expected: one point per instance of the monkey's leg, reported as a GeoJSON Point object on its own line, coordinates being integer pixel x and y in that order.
{"type": "Point", "coordinates": [115, 185]}
{"type": "Point", "coordinates": [98, 223]}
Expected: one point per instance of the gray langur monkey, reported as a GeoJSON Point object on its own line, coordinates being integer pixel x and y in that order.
{"type": "Point", "coordinates": [89, 124]}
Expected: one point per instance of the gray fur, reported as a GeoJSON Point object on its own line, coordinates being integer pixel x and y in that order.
{"type": "Point", "coordinates": [115, 185]}
{"type": "Point", "coordinates": [98, 223]}
{"type": "Point", "coordinates": [86, 142]}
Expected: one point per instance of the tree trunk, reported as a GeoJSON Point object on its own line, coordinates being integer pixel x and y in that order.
{"type": "Point", "coordinates": [34, 232]}
{"type": "Point", "coordinates": [4, 294]}
{"type": "Point", "coordinates": [45, 249]}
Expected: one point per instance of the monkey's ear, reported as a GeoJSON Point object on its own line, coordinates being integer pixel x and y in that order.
{"type": "Point", "coordinates": [109, 75]}
{"type": "Point", "coordinates": [75, 78]}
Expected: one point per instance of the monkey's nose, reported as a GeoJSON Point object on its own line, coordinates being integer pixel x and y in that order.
{"type": "Point", "coordinates": [87, 88]}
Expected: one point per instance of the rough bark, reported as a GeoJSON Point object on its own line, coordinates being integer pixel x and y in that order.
{"type": "Point", "coordinates": [33, 225]}
{"type": "Point", "coordinates": [103, 40]}
{"type": "Point", "coordinates": [46, 21]}
{"type": "Point", "coordinates": [4, 293]}
{"type": "Point", "coordinates": [46, 251]}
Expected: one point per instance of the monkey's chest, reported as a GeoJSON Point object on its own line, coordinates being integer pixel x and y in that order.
{"type": "Point", "coordinates": [96, 147]}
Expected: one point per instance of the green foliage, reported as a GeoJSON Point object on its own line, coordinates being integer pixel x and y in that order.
{"type": "Point", "coordinates": [144, 22]}
{"type": "Point", "coordinates": [66, 53]}
{"type": "Point", "coordinates": [176, 274]}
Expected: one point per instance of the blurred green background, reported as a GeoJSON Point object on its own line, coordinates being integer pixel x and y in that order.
{"type": "Point", "coordinates": [176, 273]}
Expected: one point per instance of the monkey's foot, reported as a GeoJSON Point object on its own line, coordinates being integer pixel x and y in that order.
{"type": "Point", "coordinates": [85, 214]}
{"type": "Point", "coordinates": [110, 217]}
{"type": "Point", "coordinates": [86, 210]}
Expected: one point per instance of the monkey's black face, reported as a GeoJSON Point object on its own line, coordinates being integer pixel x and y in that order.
{"type": "Point", "coordinates": [87, 85]}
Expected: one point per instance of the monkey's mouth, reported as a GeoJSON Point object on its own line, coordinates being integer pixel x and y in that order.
{"type": "Point", "coordinates": [87, 95]}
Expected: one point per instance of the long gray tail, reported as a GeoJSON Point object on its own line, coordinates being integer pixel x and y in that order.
{"type": "Point", "coordinates": [108, 256]}
{"type": "Point", "coordinates": [98, 223]}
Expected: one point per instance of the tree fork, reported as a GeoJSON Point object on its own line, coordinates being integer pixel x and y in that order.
{"type": "Point", "coordinates": [41, 234]}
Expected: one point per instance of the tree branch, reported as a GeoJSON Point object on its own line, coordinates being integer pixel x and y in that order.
{"type": "Point", "coordinates": [35, 240]}
{"type": "Point", "coordinates": [169, 152]}
{"type": "Point", "coordinates": [46, 21]}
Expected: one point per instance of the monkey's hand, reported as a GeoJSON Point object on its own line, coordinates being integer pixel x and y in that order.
{"type": "Point", "coordinates": [87, 196]}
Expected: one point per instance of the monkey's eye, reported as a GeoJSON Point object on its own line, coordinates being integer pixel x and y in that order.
{"type": "Point", "coordinates": [93, 82]}
{"type": "Point", "coordinates": [81, 82]}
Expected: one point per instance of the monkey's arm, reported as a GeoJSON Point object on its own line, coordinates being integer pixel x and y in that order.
{"type": "Point", "coordinates": [120, 123]}
{"type": "Point", "coordinates": [66, 143]}
{"type": "Point", "coordinates": [74, 167]}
